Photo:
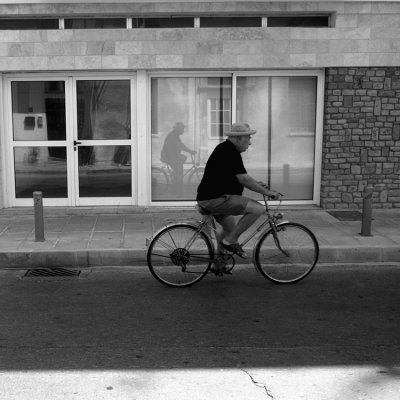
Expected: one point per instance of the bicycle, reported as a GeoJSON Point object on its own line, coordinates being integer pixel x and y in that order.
{"type": "Point", "coordinates": [162, 177]}
{"type": "Point", "coordinates": [182, 252]}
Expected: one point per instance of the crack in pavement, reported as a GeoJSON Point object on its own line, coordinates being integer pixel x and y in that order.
{"type": "Point", "coordinates": [258, 384]}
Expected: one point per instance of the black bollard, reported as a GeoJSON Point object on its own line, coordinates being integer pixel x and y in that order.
{"type": "Point", "coordinates": [367, 211]}
{"type": "Point", "coordinates": [39, 221]}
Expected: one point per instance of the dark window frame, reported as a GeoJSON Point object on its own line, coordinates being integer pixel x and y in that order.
{"type": "Point", "coordinates": [29, 24]}
{"type": "Point", "coordinates": [120, 22]}
{"type": "Point", "coordinates": [231, 21]}
{"type": "Point", "coordinates": [165, 22]}
{"type": "Point", "coordinates": [299, 21]}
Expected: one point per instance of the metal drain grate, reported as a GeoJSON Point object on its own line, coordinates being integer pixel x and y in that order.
{"type": "Point", "coordinates": [52, 273]}
{"type": "Point", "coordinates": [342, 215]}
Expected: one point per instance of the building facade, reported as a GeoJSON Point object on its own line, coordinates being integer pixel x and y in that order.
{"type": "Point", "coordinates": [108, 103]}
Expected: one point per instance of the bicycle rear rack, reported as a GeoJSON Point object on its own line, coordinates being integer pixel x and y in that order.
{"type": "Point", "coordinates": [181, 220]}
{"type": "Point", "coordinates": [169, 221]}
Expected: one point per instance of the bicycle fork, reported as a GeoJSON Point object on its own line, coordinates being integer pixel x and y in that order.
{"type": "Point", "coordinates": [277, 242]}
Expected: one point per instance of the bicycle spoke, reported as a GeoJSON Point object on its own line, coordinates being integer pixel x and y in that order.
{"type": "Point", "coordinates": [287, 255]}
{"type": "Point", "coordinates": [172, 262]}
{"type": "Point", "coordinates": [166, 245]}
{"type": "Point", "coordinates": [161, 255]}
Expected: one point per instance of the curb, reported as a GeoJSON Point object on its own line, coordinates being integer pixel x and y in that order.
{"type": "Point", "coordinates": [72, 259]}
{"type": "Point", "coordinates": [137, 257]}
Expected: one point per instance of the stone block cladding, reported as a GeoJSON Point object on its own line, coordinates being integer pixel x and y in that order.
{"type": "Point", "coordinates": [361, 140]}
{"type": "Point", "coordinates": [363, 33]}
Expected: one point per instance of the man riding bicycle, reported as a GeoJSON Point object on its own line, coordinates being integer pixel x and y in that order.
{"type": "Point", "coordinates": [220, 190]}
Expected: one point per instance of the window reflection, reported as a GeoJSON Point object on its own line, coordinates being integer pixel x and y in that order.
{"type": "Point", "coordinates": [282, 109]}
{"type": "Point", "coordinates": [189, 116]}
{"type": "Point", "coordinates": [38, 110]}
{"type": "Point", "coordinates": [104, 171]}
{"type": "Point", "coordinates": [40, 168]}
{"type": "Point", "coordinates": [104, 110]}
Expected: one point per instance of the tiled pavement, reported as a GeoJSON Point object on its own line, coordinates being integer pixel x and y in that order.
{"type": "Point", "coordinates": [113, 236]}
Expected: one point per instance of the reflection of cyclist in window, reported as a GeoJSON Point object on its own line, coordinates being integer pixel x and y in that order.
{"type": "Point", "coordinates": [220, 191]}
{"type": "Point", "coordinates": [171, 154]}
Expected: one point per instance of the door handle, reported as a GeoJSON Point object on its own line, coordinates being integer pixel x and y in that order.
{"type": "Point", "coordinates": [76, 143]}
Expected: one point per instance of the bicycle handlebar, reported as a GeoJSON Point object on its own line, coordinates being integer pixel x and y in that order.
{"type": "Point", "coordinates": [271, 197]}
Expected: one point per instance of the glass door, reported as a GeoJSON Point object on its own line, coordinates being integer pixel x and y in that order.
{"type": "Point", "coordinates": [38, 128]}
{"type": "Point", "coordinates": [70, 138]}
{"type": "Point", "coordinates": [102, 142]}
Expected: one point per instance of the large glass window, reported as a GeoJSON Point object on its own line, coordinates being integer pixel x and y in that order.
{"type": "Point", "coordinates": [283, 110]}
{"type": "Point", "coordinates": [189, 116]}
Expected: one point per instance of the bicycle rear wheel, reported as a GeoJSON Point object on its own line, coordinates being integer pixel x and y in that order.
{"type": "Point", "coordinates": [159, 182]}
{"type": "Point", "coordinates": [180, 255]}
{"type": "Point", "coordinates": [289, 256]}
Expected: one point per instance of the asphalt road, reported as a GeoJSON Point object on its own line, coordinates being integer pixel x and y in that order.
{"type": "Point", "coordinates": [116, 333]}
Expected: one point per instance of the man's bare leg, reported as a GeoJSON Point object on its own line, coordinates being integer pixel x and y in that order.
{"type": "Point", "coordinates": [228, 224]}
{"type": "Point", "coordinates": [251, 214]}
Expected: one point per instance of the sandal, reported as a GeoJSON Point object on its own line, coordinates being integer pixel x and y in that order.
{"type": "Point", "coordinates": [220, 271]}
{"type": "Point", "coordinates": [219, 267]}
{"type": "Point", "coordinates": [234, 248]}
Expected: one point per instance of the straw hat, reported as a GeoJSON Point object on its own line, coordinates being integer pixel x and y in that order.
{"type": "Point", "coordinates": [240, 129]}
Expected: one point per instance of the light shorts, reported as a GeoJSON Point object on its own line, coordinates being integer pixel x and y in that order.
{"type": "Point", "coordinates": [228, 204]}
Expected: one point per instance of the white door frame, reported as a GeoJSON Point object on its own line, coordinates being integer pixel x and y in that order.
{"type": "Point", "coordinates": [9, 144]}
{"type": "Point", "coordinates": [93, 201]}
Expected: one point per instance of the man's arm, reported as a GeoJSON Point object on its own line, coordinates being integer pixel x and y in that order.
{"type": "Point", "coordinates": [250, 183]}
{"type": "Point", "coordinates": [185, 148]}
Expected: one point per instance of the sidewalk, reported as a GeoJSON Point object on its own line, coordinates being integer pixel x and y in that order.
{"type": "Point", "coordinates": [110, 236]}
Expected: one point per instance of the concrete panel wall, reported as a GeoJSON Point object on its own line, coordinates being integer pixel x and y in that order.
{"type": "Point", "coordinates": [364, 34]}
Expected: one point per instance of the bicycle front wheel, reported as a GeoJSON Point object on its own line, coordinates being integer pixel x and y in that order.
{"type": "Point", "coordinates": [180, 255]}
{"type": "Point", "coordinates": [287, 255]}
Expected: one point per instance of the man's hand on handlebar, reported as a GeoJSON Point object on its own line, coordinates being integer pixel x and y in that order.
{"type": "Point", "coordinates": [274, 195]}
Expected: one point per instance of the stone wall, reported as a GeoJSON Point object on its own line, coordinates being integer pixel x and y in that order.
{"type": "Point", "coordinates": [361, 143]}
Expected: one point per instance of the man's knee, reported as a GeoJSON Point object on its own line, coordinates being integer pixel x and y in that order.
{"type": "Point", "coordinates": [253, 207]}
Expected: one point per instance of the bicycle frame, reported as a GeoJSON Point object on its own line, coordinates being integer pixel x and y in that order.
{"type": "Point", "coordinates": [283, 252]}
{"type": "Point", "coordinates": [193, 165]}
{"type": "Point", "coordinates": [208, 223]}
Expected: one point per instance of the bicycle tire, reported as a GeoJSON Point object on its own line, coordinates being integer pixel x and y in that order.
{"type": "Point", "coordinates": [296, 259]}
{"type": "Point", "coordinates": [160, 182]}
{"type": "Point", "coordinates": [174, 265]}
{"type": "Point", "coordinates": [195, 178]}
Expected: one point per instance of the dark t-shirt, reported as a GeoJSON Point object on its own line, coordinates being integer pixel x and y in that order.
{"type": "Point", "coordinates": [220, 173]}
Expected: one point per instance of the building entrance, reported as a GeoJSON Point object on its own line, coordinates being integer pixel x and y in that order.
{"type": "Point", "coordinates": [71, 139]}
